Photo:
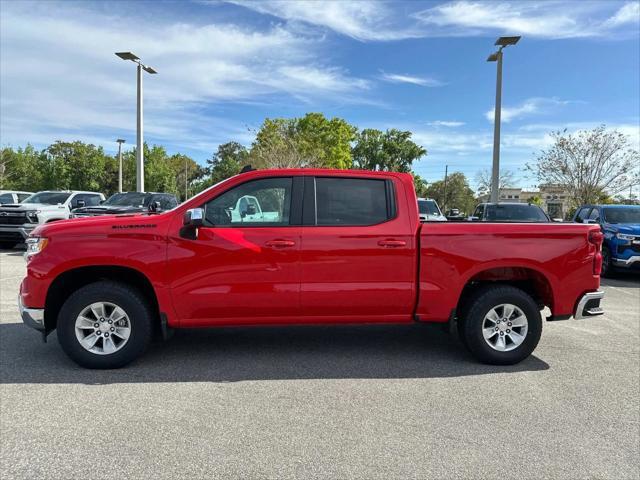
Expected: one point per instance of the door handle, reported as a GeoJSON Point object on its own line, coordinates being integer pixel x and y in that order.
{"type": "Point", "coordinates": [392, 243]}
{"type": "Point", "coordinates": [279, 243]}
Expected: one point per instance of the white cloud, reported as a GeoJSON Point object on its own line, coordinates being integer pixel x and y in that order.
{"type": "Point", "coordinates": [412, 79]}
{"type": "Point", "coordinates": [60, 76]}
{"type": "Point", "coordinates": [549, 19]}
{"type": "Point", "coordinates": [628, 13]}
{"type": "Point", "coordinates": [368, 20]}
{"type": "Point", "coordinates": [360, 19]}
{"type": "Point", "coordinates": [532, 106]}
{"type": "Point", "coordinates": [445, 123]}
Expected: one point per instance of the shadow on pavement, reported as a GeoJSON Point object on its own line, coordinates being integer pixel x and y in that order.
{"type": "Point", "coordinates": [623, 279]}
{"type": "Point", "coordinates": [243, 354]}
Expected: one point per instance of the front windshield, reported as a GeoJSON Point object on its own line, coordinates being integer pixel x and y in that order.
{"type": "Point", "coordinates": [622, 214]}
{"type": "Point", "coordinates": [132, 199]}
{"type": "Point", "coordinates": [47, 198]}
{"type": "Point", "coordinates": [428, 207]}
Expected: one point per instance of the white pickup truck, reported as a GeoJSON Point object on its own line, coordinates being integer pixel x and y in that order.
{"type": "Point", "coordinates": [248, 209]}
{"type": "Point", "coordinates": [13, 196]}
{"type": "Point", "coordinates": [17, 220]}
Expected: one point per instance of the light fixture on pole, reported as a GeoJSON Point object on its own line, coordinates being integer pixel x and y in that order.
{"type": "Point", "coordinates": [120, 142]}
{"type": "Point", "coordinates": [139, 138]}
{"type": "Point", "coordinates": [497, 57]}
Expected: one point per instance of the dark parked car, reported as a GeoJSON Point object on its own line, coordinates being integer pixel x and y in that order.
{"type": "Point", "coordinates": [129, 202]}
{"type": "Point", "coordinates": [509, 212]}
{"type": "Point", "coordinates": [620, 225]}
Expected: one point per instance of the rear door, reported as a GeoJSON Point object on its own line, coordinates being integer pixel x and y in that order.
{"type": "Point", "coordinates": [357, 251]}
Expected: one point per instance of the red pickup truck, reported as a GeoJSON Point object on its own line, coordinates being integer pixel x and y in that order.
{"type": "Point", "coordinates": [278, 247]}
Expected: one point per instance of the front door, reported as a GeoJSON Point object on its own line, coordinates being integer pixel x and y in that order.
{"type": "Point", "coordinates": [243, 268]}
{"type": "Point", "coordinates": [358, 255]}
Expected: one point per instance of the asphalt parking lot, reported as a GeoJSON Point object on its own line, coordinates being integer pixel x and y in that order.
{"type": "Point", "coordinates": [325, 402]}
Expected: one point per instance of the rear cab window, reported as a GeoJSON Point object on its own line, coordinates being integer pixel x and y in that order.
{"type": "Point", "coordinates": [342, 201]}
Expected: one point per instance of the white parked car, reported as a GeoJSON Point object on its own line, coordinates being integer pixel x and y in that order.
{"type": "Point", "coordinates": [13, 196]}
{"type": "Point", "coordinates": [17, 220]}
{"type": "Point", "coordinates": [429, 211]}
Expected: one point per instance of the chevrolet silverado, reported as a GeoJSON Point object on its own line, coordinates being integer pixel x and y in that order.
{"type": "Point", "coordinates": [332, 247]}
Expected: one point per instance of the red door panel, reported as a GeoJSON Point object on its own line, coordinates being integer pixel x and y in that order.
{"type": "Point", "coordinates": [236, 275]}
{"type": "Point", "coordinates": [352, 274]}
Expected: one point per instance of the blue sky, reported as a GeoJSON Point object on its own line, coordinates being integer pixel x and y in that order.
{"type": "Point", "coordinates": [225, 66]}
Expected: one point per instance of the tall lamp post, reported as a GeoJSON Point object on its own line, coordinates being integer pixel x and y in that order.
{"type": "Point", "coordinates": [120, 142]}
{"type": "Point", "coordinates": [139, 139]}
{"type": "Point", "coordinates": [495, 171]}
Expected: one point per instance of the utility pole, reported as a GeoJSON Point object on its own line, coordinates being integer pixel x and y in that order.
{"type": "Point", "coordinates": [186, 194]}
{"type": "Point", "coordinates": [495, 171]}
{"type": "Point", "coordinates": [120, 142]}
{"type": "Point", "coordinates": [444, 197]}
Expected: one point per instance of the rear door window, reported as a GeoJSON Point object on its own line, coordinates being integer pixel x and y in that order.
{"type": "Point", "coordinates": [352, 201]}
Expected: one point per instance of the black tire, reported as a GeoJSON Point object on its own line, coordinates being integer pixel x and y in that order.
{"type": "Point", "coordinates": [607, 266]}
{"type": "Point", "coordinates": [7, 245]}
{"type": "Point", "coordinates": [130, 300]}
{"type": "Point", "coordinates": [480, 304]}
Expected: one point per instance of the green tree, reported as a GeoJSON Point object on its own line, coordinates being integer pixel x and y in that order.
{"type": "Point", "coordinates": [73, 166]}
{"type": "Point", "coordinates": [326, 142]}
{"type": "Point", "coordinates": [21, 169]}
{"type": "Point", "coordinates": [536, 200]}
{"type": "Point", "coordinates": [310, 141]}
{"type": "Point", "coordinates": [227, 161]}
{"type": "Point", "coordinates": [458, 193]}
{"type": "Point", "coordinates": [158, 172]}
{"type": "Point", "coordinates": [183, 166]}
{"type": "Point", "coordinates": [420, 184]}
{"type": "Point", "coordinates": [392, 150]}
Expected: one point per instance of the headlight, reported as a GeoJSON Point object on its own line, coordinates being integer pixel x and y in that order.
{"type": "Point", "coordinates": [35, 245]}
{"type": "Point", "coordinates": [32, 215]}
{"type": "Point", "coordinates": [624, 236]}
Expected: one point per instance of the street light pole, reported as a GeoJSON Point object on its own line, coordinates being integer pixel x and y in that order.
{"type": "Point", "coordinates": [139, 140]}
{"type": "Point", "coordinates": [120, 142]}
{"type": "Point", "coordinates": [139, 133]}
{"type": "Point", "coordinates": [495, 171]}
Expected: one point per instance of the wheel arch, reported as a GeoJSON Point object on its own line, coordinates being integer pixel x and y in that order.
{"type": "Point", "coordinates": [532, 281]}
{"type": "Point", "coordinates": [71, 280]}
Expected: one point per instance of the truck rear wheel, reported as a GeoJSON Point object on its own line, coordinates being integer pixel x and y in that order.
{"type": "Point", "coordinates": [105, 325]}
{"type": "Point", "coordinates": [501, 326]}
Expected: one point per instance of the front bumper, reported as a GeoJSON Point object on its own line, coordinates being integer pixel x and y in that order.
{"type": "Point", "coordinates": [32, 317]}
{"type": "Point", "coordinates": [589, 305]}
{"type": "Point", "coordinates": [18, 233]}
{"type": "Point", "coordinates": [626, 262]}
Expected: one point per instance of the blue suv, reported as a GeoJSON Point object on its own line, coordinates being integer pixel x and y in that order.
{"type": "Point", "coordinates": [621, 227]}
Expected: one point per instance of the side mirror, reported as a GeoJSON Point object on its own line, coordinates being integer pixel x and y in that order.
{"type": "Point", "coordinates": [251, 209]}
{"type": "Point", "coordinates": [154, 206]}
{"type": "Point", "coordinates": [102, 201]}
{"type": "Point", "coordinates": [589, 220]}
{"type": "Point", "coordinates": [80, 203]}
{"type": "Point", "coordinates": [193, 217]}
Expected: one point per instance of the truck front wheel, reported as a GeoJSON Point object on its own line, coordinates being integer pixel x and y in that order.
{"type": "Point", "coordinates": [105, 325]}
{"type": "Point", "coordinates": [501, 325]}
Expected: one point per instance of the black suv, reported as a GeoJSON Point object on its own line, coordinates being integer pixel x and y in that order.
{"type": "Point", "coordinates": [509, 212]}
{"type": "Point", "coordinates": [129, 202]}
